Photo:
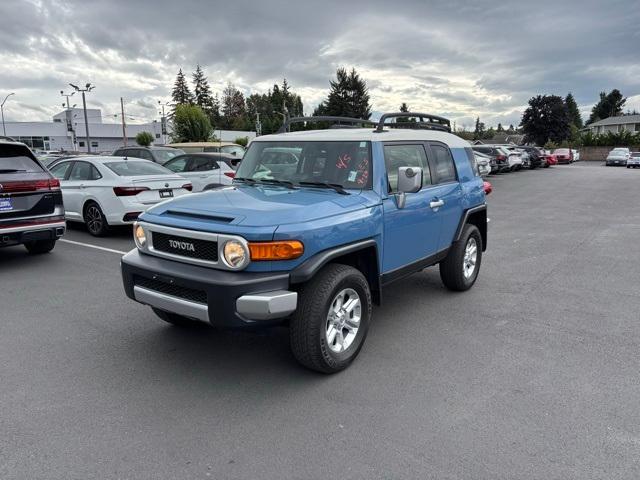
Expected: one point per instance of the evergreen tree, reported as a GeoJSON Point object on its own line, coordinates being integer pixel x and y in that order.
{"type": "Point", "coordinates": [609, 105]}
{"type": "Point", "coordinates": [348, 97]}
{"type": "Point", "coordinates": [499, 129]}
{"type": "Point", "coordinates": [181, 95]}
{"type": "Point", "coordinates": [478, 132]}
{"type": "Point", "coordinates": [233, 107]}
{"type": "Point", "coordinates": [202, 92]}
{"type": "Point", "coordinates": [404, 107]}
{"type": "Point", "coordinates": [511, 129]}
{"type": "Point", "coordinates": [546, 119]}
{"type": "Point", "coordinates": [574, 113]}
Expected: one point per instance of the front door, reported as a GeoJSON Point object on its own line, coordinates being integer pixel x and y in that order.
{"type": "Point", "coordinates": [411, 233]}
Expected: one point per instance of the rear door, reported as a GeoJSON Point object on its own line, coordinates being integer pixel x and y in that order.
{"type": "Point", "coordinates": [410, 233]}
{"type": "Point", "coordinates": [202, 171]}
{"type": "Point", "coordinates": [447, 192]}
{"type": "Point", "coordinates": [79, 185]}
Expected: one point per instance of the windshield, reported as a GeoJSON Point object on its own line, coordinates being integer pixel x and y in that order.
{"type": "Point", "coordinates": [132, 168]}
{"type": "Point", "coordinates": [168, 154]}
{"type": "Point", "coordinates": [347, 164]}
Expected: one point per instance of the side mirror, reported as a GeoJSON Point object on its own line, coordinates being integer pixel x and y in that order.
{"type": "Point", "coordinates": [409, 181]}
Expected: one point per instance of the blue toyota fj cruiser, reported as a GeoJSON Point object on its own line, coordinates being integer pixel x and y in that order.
{"type": "Point", "coordinates": [315, 224]}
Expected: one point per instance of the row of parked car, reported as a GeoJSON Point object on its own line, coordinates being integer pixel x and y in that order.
{"type": "Point", "coordinates": [509, 158]}
{"type": "Point", "coordinates": [623, 156]}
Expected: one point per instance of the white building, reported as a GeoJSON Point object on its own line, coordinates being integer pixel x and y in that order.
{"type": "Point", "coordinates": [630, 123]}
{"type": "Point", "coordinates": [67, 132]}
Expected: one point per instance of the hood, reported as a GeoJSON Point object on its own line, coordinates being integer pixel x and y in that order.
{"type": "Point", "coordinates": [261, 206]}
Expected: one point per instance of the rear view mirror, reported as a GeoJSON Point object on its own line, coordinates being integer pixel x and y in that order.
{"type": "Point", "coordinates": [409, 179]}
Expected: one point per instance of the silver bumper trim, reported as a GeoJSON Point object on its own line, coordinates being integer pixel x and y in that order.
{"type": "Point", "coordinates": [267, 306]}
{"type": "Point", "coordinates": [172, 304]}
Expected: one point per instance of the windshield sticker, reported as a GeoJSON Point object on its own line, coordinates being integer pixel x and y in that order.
{"type": "Point", "coordinates": [343, 161]}
{"type": "Point", "coordinates": [352, 175]}
{"type": "Point", "coordinates": [363, 172]}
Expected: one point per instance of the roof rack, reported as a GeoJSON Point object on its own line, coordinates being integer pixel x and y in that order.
{"type": "Point", "coordinates": [427, 121]}
{"type": "Point", "coordinates": [340, 122]}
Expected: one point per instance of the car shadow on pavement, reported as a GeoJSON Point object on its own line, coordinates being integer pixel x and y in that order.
{"type": "Point", "coordinates": [118, 231]}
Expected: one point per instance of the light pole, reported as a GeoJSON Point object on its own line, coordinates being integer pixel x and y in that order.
{"type": "Point", "coordinates": [88, 87]}
{"type": "Point", "coordinates": [163, 121]}
{"type": "Point", "coordinates": [4, 129]}
{"type": "Point", "coordinates": [67, 95]}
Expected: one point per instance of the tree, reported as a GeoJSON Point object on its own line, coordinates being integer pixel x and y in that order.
{"type": "Point", "coordinates": [511, 130]}
{"type": "Point", "coordinates": [202, 93]}
{"type": "Point", "coordinates": [573, 111]}
{"type": "Point", "coordinates": [191, 124]}
{"type": "Point", "coordinates": [244, 141]}
{"type": "Point", "coordinates": [478, 132]}
{"type": "Point", "coordinates": [348, 97]}
{"type": "Point", "coordinates": [144, 139]}
{"type": "Point", "coordinates": [233, 107]}
{"type": "Point", "coordinates": [500, 129]}
{"type": "Point", "coordinates": [272, 106]}
{"type": "Point", "coordinates": [181, 95]}
{"type": "Point", "coordinates": [404, 108]}
{"type": "Point", "coordinates": [546, 119]}
{"type": "Point", "coordinates": [609, 105]}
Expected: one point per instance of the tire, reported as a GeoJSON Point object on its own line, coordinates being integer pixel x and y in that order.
{"type": "Point", "coordinates": [455, 268]}
{"type": "Point", "coordinates": [40, 246]}
{"type": "Point", "coordinates": [174, 318]}
{"type": "Point", "coordinates": [315, 340]}
{"type": "Point", "coordinates": [95, 220]}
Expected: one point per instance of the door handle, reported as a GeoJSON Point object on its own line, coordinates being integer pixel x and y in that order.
{"type": "Point", "coordinates": [435, 204]}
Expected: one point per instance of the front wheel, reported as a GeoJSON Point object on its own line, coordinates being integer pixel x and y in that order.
{"type": "Point", "coordinates": [459, 270]}
{"type": "Point", "coordinates": [331, 322]}
{"type": "Point", "coordinates": [40, 246]}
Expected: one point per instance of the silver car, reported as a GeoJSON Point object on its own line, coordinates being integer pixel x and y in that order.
{"type": "Point", "coordinates": [634, 160]}
{"type": "Point", "coordinates": [205, 171]}
{"type": "Point", "coordinates": [618, 156]}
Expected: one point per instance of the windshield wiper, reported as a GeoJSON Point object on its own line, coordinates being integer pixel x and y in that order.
{"type": "Point", "coordinates": [250, 181]}
{"type": "Point", "coordinates": [272, 181]}
{"type": "Point", "coordinates": [335, 186]}
{"type": "Point", "coordinates": [10, 170]}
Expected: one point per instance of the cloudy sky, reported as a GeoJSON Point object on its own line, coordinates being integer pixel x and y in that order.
{"type": "Point", "coordinates": [456, 58]}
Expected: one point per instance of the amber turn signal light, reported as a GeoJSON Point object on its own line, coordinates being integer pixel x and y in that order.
{"type": "Point", "coordinates": [283, 250]}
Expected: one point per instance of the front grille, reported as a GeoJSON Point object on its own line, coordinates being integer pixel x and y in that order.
{"type": "Point", "coordinates": [186, 247]}
{"type": "Point", "coordinates": [171, 289]}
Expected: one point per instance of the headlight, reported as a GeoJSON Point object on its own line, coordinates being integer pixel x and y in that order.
{"type": "Point", "coordinates": [139, 236]}
{"type": "Point", "coordinates": [235, 255]}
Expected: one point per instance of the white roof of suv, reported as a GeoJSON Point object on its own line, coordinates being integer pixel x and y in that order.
{"type": "Point", "coordinates": [366, 134]}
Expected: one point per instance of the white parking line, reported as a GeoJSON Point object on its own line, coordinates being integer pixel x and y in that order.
{"type": "Point", "coordinates": [92, 246]}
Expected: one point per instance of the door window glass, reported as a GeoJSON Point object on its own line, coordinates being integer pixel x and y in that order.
{"type": "Point", "coordinates": [199, 164]}
{"type": "Point", "coordinates": [396, 156]}
{"type": "Point", "coordinates": [60, 170]}
{"type": "Point", "coordinates": [177, 164]}
{"type": "Point", "coordinates": [445, 169]}
{"type": "Point", "coordinates": [80, 171]}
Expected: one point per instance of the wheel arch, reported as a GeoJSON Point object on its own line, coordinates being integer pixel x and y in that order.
{"type": "Point", "coordinates": [362, 255]}
{"type": "Point", "coordinates": [475, 216]}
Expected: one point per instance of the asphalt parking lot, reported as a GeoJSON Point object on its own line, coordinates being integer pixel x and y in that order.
{"type": "Point", "coordinates": [531, 374]}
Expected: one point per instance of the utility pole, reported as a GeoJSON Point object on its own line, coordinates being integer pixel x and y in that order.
{"type": "Point", "coordinates": [67, 95]}
{"type": "Point", "coordinates": [163, 121]}
{"type": "Point", "coordinates": [258, 125]}
{"type": "Point", "coordinates": [88, 87]}
{"type": "Point", "coordinates": [4, 129]}
{"type": "Point", "coordinates": [124, 125]}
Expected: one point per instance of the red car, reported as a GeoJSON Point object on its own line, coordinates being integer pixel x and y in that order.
{"type": "Point", "coordinates": [549, 159]}
{"type": "Point", "coordinates": [488, 188]}
{"type": "Point", "coordinates": [563, 155]}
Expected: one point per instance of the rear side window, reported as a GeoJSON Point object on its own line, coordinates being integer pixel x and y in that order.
{"type": "Point", "coordinates": [60, 170]}
{"type": "Point", "coordinates": [445, 169]}
{"type": "Point", "coordinates": [200, 164]}
{"type": "Point", "coordinates": [396, 156]}
{"type": "Point", "coordinates": [132, 169]}
{"type": "Point", "coordinates": [84, 171]}
{"type": "Point", "coordinates": [473, 161]}
{"type": "Point", "coordinates": [13, 162]}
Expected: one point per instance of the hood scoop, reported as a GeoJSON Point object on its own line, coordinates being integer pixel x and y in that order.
{"type": "Point", "coordinates": [198, 216]}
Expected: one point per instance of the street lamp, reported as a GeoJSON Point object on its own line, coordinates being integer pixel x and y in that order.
{"type": "Point", "coordinates": [67, 95]}
{"type": "Point", "coordinates": [4, 129]}
{"type": "Point", "coordinates": [88, 87]}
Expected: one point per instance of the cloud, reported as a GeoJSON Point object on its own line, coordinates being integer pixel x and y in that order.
{"type": "Point", "coordinates": [457, 58]}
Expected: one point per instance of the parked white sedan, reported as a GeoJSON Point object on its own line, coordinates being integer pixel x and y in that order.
{"type": "Point", "coordinates": [104, 191]}
{"type": "Point", "coordinates": [205, 171]}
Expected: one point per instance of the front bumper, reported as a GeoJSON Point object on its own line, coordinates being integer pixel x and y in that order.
{"type": "Point", "coordinates": [222, 298]}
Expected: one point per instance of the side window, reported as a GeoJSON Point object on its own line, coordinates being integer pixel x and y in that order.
{"type": "Point", "coordinates": [177, 164]}
{"type": "Point", "coordinates": [473, 161]}
{"type": "Point", "coordinates": [146, 154]}
{"type": "Point", "coordinates": [60, 170]}
{"type": "Point", "coordinates": [213, 165]}
{"type": "Point", "coordinates": [396, 156]}
{"type": "Point", "coordinates": [118, 153]}
{"type": "Point", "coordinates": [445, 169]}
{"type": "Point", "coordinates": [95, 174]}
{"type": "Point", "coordinates": [199, 164]}
{"type": "Point", "coordinates": [80, 171]}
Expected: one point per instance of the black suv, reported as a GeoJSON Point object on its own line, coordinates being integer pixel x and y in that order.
{"type": "Point", "coordinates": [31, 209]}
{"type": "Point", "coordinates": [160, 155]}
